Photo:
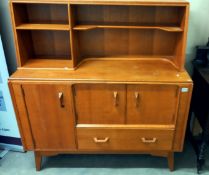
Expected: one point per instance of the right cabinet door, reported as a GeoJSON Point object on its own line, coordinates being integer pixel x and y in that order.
{"type": "Point", "coordinates": [152, 104]}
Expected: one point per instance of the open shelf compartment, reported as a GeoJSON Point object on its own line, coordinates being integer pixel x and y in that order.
{"type": "Point", "coordinates": [137, 17]}
{"type": "Point", "coordinates": [44, 49]}
{"type": "Point", "coordinates": [127, 43]}
{"type": "Point", "coordinates": [40, 16]}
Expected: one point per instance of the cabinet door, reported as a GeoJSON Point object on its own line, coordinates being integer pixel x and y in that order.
{"type": "Point", "coordinates": [100, 103]}
{"type": "Point", "coordinates": [50, 114]}
{"type": "Point", "coordinates": [152, 104]}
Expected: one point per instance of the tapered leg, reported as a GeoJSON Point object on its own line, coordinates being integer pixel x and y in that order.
{"type": "Point", "coordinates": [170, 158]}
{"type": "Point", "coordinates": [38, 159]}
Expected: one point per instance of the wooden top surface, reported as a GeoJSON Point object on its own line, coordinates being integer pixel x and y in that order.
{"type": "Point", "coordinates": [120, 2]}
{"type": "Point", "coordinates": [124, 71]}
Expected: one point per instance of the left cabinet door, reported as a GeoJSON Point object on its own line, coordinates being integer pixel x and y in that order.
{"type": "Point", "coordinates": [50, 114]}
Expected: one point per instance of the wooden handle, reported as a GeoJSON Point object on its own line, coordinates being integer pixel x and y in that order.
{"type": "Point", "coordinates": [61, 99]}
{"type": "Point", "coordinates": [96, 140]}
{"type": "Point", "coordinates": [136, 95]}
{"type": "Point", "coordinates": [153, 140]}
{"type": "Point", "coordinates": [115, 95]}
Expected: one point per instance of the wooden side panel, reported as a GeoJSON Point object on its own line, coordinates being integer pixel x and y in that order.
{"type": "Point", "coordinates": [50, 115]}
{"type": "Point", "coordinates": [181, 123]}
{"type": "Point", "coordinates": [20, 58]}
{"type": "Point", "coordinates": [75, 54]}
{"type": "Point", "coordinates": [182, 39]}
{"type": "Point", "coordinates": [100, 103]}
{"type": "Point", "coordinates": [22, 116]}
{"type": "Point", "coordinates": [152, 104]}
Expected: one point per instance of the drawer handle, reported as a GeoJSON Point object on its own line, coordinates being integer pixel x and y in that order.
{"type": "Point", "coordinates": [153, 140]}
{"type": "Point", "coordinates": [105, 140]}
{"type": "Point", "coordinates": [61, 99]}
{"type": "Point", "coordinates": [136, 94]}
{"type": "Point", "coordinates": [115, 95]}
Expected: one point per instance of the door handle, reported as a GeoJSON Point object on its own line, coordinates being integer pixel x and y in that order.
{"type": "Point", "coordinates": [61, 99]}
{"type": "Point", "coordinates": [115, 95]}
{"type": "Point", "coordinates": [136, 95]}
{"type": "Point", "coordinates": [96, 140]}
{"type": "Point", "coordinates": [144, 140]}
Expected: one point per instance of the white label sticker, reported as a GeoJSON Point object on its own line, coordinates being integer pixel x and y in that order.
{"type": "Point", "coordinates": [184, 89]}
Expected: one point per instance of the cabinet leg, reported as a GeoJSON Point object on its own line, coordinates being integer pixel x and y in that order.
{"type": "Point", "coordinates": [38, 159]}
{"type": "Point", "coordinates": [170, 158]}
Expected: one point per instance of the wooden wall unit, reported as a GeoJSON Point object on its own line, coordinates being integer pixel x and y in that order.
{"type": "Point", "coordinates": [101, 76]}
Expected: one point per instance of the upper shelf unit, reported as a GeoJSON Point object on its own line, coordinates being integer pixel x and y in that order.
{"type": "Point", "coordinates": [168, 18]}
{"type": "Point", "coordinates": [67, 32]}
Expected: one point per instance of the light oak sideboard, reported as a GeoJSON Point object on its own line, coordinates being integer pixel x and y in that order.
{"type": "Point", "coordinates": [98, 76]}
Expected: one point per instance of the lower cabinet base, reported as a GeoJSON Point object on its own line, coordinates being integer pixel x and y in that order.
{"type": "Point", "coordinates": [40, 154]}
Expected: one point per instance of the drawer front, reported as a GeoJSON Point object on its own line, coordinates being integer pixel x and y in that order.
{"type": "Point", "coordinates": [124, 139]}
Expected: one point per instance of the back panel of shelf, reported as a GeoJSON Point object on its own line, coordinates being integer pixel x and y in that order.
{"type": "Point", "coordinates": [34, 13]}
{"type": "Point", "coordinates": [126, 42]}
{"type": "Point", "coordinates": [128, 15]}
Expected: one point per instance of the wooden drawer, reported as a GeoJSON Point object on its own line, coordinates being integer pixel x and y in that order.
{"type": "Point", "coordinates": [124, 139]}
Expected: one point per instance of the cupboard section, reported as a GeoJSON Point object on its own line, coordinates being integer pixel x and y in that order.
{"type": "Point", "coordinates": [48, 114]}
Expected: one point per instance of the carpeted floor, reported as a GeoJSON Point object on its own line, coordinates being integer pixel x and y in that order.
{"type": "Point", "coordinates": [15, 163]}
